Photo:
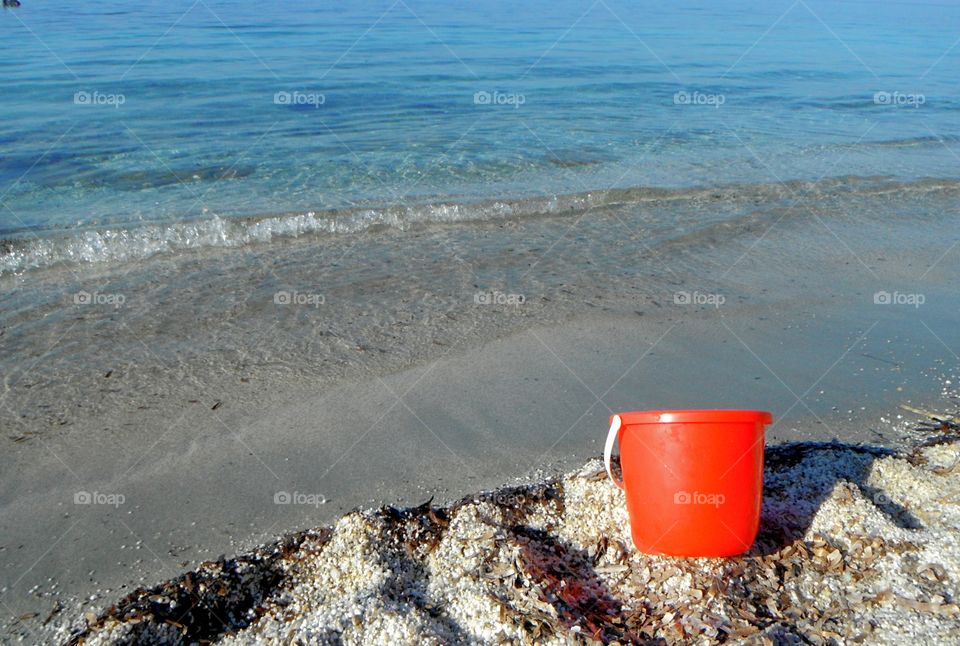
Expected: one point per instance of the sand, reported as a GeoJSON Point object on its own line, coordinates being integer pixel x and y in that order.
{"type": "Point", "coordinates": [406, 388]}
{"type": "Point", "coordinates": [858, 544]}
{"type": "Point", "coordinates": [199, 483]}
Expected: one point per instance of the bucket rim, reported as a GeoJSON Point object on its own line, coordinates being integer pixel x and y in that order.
{"type": "Point", "coordinates": [695, 416]}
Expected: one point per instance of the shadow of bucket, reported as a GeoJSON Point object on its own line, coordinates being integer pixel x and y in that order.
{"type": "Point", "coordinates": [693, 478]}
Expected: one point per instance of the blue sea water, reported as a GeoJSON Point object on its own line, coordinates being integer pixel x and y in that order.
{"type": "Point", "coordinates": [118, 115]}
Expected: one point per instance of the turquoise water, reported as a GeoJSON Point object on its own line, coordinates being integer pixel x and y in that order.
{"type": "Point", "coordinates": [119, 116]}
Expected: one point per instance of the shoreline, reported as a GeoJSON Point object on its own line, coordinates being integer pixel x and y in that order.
{"type": "Point", "coordinates": [202, 399]}
{"type": "Point", "coordinates": [846, 530]}
{"type": "Point", "coordinates": [110, 246]}
{"type": "Point", "coordinates": [388, 301]}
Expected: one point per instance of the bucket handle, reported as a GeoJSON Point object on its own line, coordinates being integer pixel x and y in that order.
{"type": "Point", "coordinates": [612, 435]}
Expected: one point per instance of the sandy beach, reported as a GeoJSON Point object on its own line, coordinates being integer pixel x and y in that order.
{"type": "Point", "coordinates": [132, 461]}
{"type": "Point", "coordinates": [858, 545]}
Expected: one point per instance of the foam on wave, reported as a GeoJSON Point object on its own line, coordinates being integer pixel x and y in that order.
{"type": "Point", "coordinates": [33, 251]}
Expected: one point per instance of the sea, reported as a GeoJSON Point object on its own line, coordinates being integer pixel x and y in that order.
{"type": "Point", "coordinates": [134, 130]}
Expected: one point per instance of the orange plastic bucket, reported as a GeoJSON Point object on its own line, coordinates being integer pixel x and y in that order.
{"type": "Point", "coordinates": [693, 478]}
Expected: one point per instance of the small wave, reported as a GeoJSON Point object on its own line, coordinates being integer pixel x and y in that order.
{"type": "Point", "coordinates": [29, 250]}
{"type": "Point", "coordinates": [127, 244]}
{"type": "Point", "coordinates": [908, 142]}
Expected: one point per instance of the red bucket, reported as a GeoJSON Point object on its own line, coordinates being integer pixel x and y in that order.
{"type": "Point", "coordinates": [693, 478]}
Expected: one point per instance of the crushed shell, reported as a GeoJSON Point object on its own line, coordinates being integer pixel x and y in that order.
{"type": "Point", "coordinates": [857, 546]}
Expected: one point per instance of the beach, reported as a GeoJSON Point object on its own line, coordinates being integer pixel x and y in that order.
{"type": "Point", "coordinates": [313, 317]}
{"type": "Point", "coordinates": [858, 545]}
{"type": "Point", "coordinates": [252, 445]}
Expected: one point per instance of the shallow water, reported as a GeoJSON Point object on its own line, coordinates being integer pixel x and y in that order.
{"type": "Point", "coordinates": [385, 296]}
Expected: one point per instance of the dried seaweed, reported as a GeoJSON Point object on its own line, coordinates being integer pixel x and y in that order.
{"type": "Point", "coordinates": [218, 597]}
